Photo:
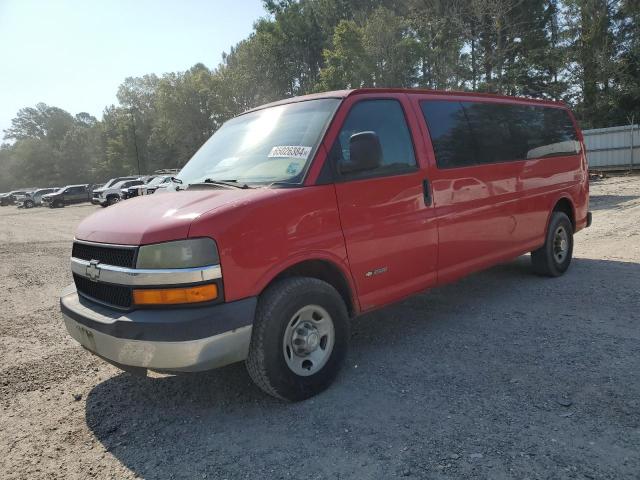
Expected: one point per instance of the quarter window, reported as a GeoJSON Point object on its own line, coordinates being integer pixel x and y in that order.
{"type": "Point", "coordinates": [386, 119]}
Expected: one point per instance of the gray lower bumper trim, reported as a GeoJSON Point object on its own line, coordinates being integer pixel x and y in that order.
{"type": "Point", "coordinates": [161, 324]}
{"type": "Point", "coordinates": [188, 356]}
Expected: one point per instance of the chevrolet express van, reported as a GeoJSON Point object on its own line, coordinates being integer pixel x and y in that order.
{"type": "Point", "coordinates": [298, 215]}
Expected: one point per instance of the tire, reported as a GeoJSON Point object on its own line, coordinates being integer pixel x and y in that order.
{"type": "Point", "coordinates": [112, 200]}
{"type": "Point", "coordinates": [58, 204]}
{"type": "Point", "coordinates": [554, 257]}
{"type": "Point", "coordinates": [29, 204]}
{"type": "Point", "coordinates": [286, 309]}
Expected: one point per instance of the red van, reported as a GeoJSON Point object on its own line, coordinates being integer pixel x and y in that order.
{"type": "Point", "coordinates": [298, 215]}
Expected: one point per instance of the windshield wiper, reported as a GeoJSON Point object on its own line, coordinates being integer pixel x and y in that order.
{"type": "Point", "coordinates": [225, 183]}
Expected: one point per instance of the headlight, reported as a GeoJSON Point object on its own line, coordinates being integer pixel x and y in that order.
{"type": "Point", "coordinates": [197, 252]}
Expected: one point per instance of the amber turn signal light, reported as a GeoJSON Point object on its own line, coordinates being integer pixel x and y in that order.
{"type": "Point", "coordinates": [174, 296]}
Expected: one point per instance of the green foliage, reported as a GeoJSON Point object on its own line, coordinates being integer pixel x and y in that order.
{"type": "Point", "coordinates": [347, 64]}
{"type": "Point", "coordinates": [586, 52]}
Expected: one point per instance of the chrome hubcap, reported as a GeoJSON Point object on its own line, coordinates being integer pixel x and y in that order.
{"type": "Point", "coordinates": [560, 244]}
{"type": "Point", "coordinates": [308, 340]}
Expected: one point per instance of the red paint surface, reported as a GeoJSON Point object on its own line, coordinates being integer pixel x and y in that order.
{"type": "Point", "coordinates": [480, 215]}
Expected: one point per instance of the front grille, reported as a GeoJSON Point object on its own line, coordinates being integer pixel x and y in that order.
{"type": "Point", "coordinates": [118, 256]}
{"type": "Point", "coordinates": [104, 292]}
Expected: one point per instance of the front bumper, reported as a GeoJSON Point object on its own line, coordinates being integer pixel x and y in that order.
{"type": "Point", "coordinates": [186, 339]}
{"type": "Point", "coordinates": [97, 201]}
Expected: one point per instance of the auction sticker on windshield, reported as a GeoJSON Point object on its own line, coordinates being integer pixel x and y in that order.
{"type": "Point", "coordinates": [284, 151]}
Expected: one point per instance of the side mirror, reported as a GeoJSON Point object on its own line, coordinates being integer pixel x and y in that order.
{"type": "Point", "coordinates": [365, 153]}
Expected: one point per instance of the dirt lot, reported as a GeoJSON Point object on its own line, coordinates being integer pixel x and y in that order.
{"type": "Point", "coordinates": [502, 375]}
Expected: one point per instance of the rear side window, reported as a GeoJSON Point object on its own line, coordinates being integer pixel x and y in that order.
{"type": "Point", "coordinates": [498, 132]}
{"type": "Point", "coordinates": [385, 118]}
{"type": "Point", "coordinates": [450, 134]}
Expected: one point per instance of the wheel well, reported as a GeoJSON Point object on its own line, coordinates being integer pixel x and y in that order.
{"type": "Point", "coordinates": [325, 271]}
{"type": "Point", "coordinates": [564, 205]}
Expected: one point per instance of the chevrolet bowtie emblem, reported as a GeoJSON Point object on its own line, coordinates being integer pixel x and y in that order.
{"type": "Point", "coordinates": [93, 270]}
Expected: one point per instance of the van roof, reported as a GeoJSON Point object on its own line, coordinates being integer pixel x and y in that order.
{"type": "Point", "coordinates": [445, 93]}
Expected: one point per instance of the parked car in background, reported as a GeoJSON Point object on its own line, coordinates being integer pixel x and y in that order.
{"type": "Point", "coordinates": [158, 182]}
{"type": "Point", "coordinates": [124, 191]}
{"type": "Point", "coordinates": [68, 195]}
{"type": "Point", "coordinates": [9, 198]}
{"type": "Point", "coordinates": [110, 192]}
{"type": "Point", "coordinates": [33, 199]}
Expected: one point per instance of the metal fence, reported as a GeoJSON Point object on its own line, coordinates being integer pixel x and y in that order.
{"type": "Point", "coordinates": [614, 148]}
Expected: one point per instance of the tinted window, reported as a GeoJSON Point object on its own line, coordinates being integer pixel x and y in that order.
{"type": "Point", "coordinates": [385, 118]}
{"type": "Point", "coordinates": [499, 132]}
{"type": "Point", "coordinates": [559, 129]}
{"type": "Point", "coordinates": [492, 126]}
{"type": "Point", "coordinates": [450, 134]}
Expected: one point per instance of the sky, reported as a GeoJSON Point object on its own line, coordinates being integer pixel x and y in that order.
{"type": "Point", "coordinates": [74, 54]}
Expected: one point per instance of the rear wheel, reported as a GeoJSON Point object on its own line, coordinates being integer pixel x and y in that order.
{"type": "Point", "coordinates": [300, 338]}
{"type": "Point", "coordinates": [554, 257]}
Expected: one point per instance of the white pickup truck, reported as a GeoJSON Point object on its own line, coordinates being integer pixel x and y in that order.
{"type": "Point", "coordinates": [110, 192]}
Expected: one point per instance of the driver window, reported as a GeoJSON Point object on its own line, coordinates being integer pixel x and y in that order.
{"type": "Point", "coordinates": [386, 119]}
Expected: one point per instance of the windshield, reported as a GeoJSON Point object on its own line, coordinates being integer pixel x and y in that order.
{"type": "Point", "coordinates": [270, 145]}
{"type": "Point", "coordinates": [157, 181]}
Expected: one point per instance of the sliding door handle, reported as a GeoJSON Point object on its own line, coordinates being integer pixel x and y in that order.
{"type": "Point", "coordinates": [426, 191]}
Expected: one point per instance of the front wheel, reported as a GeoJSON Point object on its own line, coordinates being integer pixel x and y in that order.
{"type": "Point", "coordinates": [554, 257]}
{"type": "Point", "coordinates": [112, 200]}
{"type": "Point", "coordinates": [300, 338]}
{"type": "Point", "coordinates": [29, 204]}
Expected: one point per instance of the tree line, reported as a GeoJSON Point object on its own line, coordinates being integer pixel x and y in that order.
{"type": "Point", "coordinates": [584, 52]}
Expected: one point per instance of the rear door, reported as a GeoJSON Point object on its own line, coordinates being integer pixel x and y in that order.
{"type": "Point", "coordinates": [76, 195]}
{"type": "Point", "coordinates": [83, 194]}
{"type": "Point", "coordinates": [387, 219]}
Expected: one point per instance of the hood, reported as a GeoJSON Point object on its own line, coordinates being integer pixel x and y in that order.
{"type": "Point", "coordinates": [100, 190]}
{"type": "Point", "coordinates": [159, 218]}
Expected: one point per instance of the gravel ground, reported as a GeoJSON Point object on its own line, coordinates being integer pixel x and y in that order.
{"type": "Point", "coordinates": [501, 375]}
